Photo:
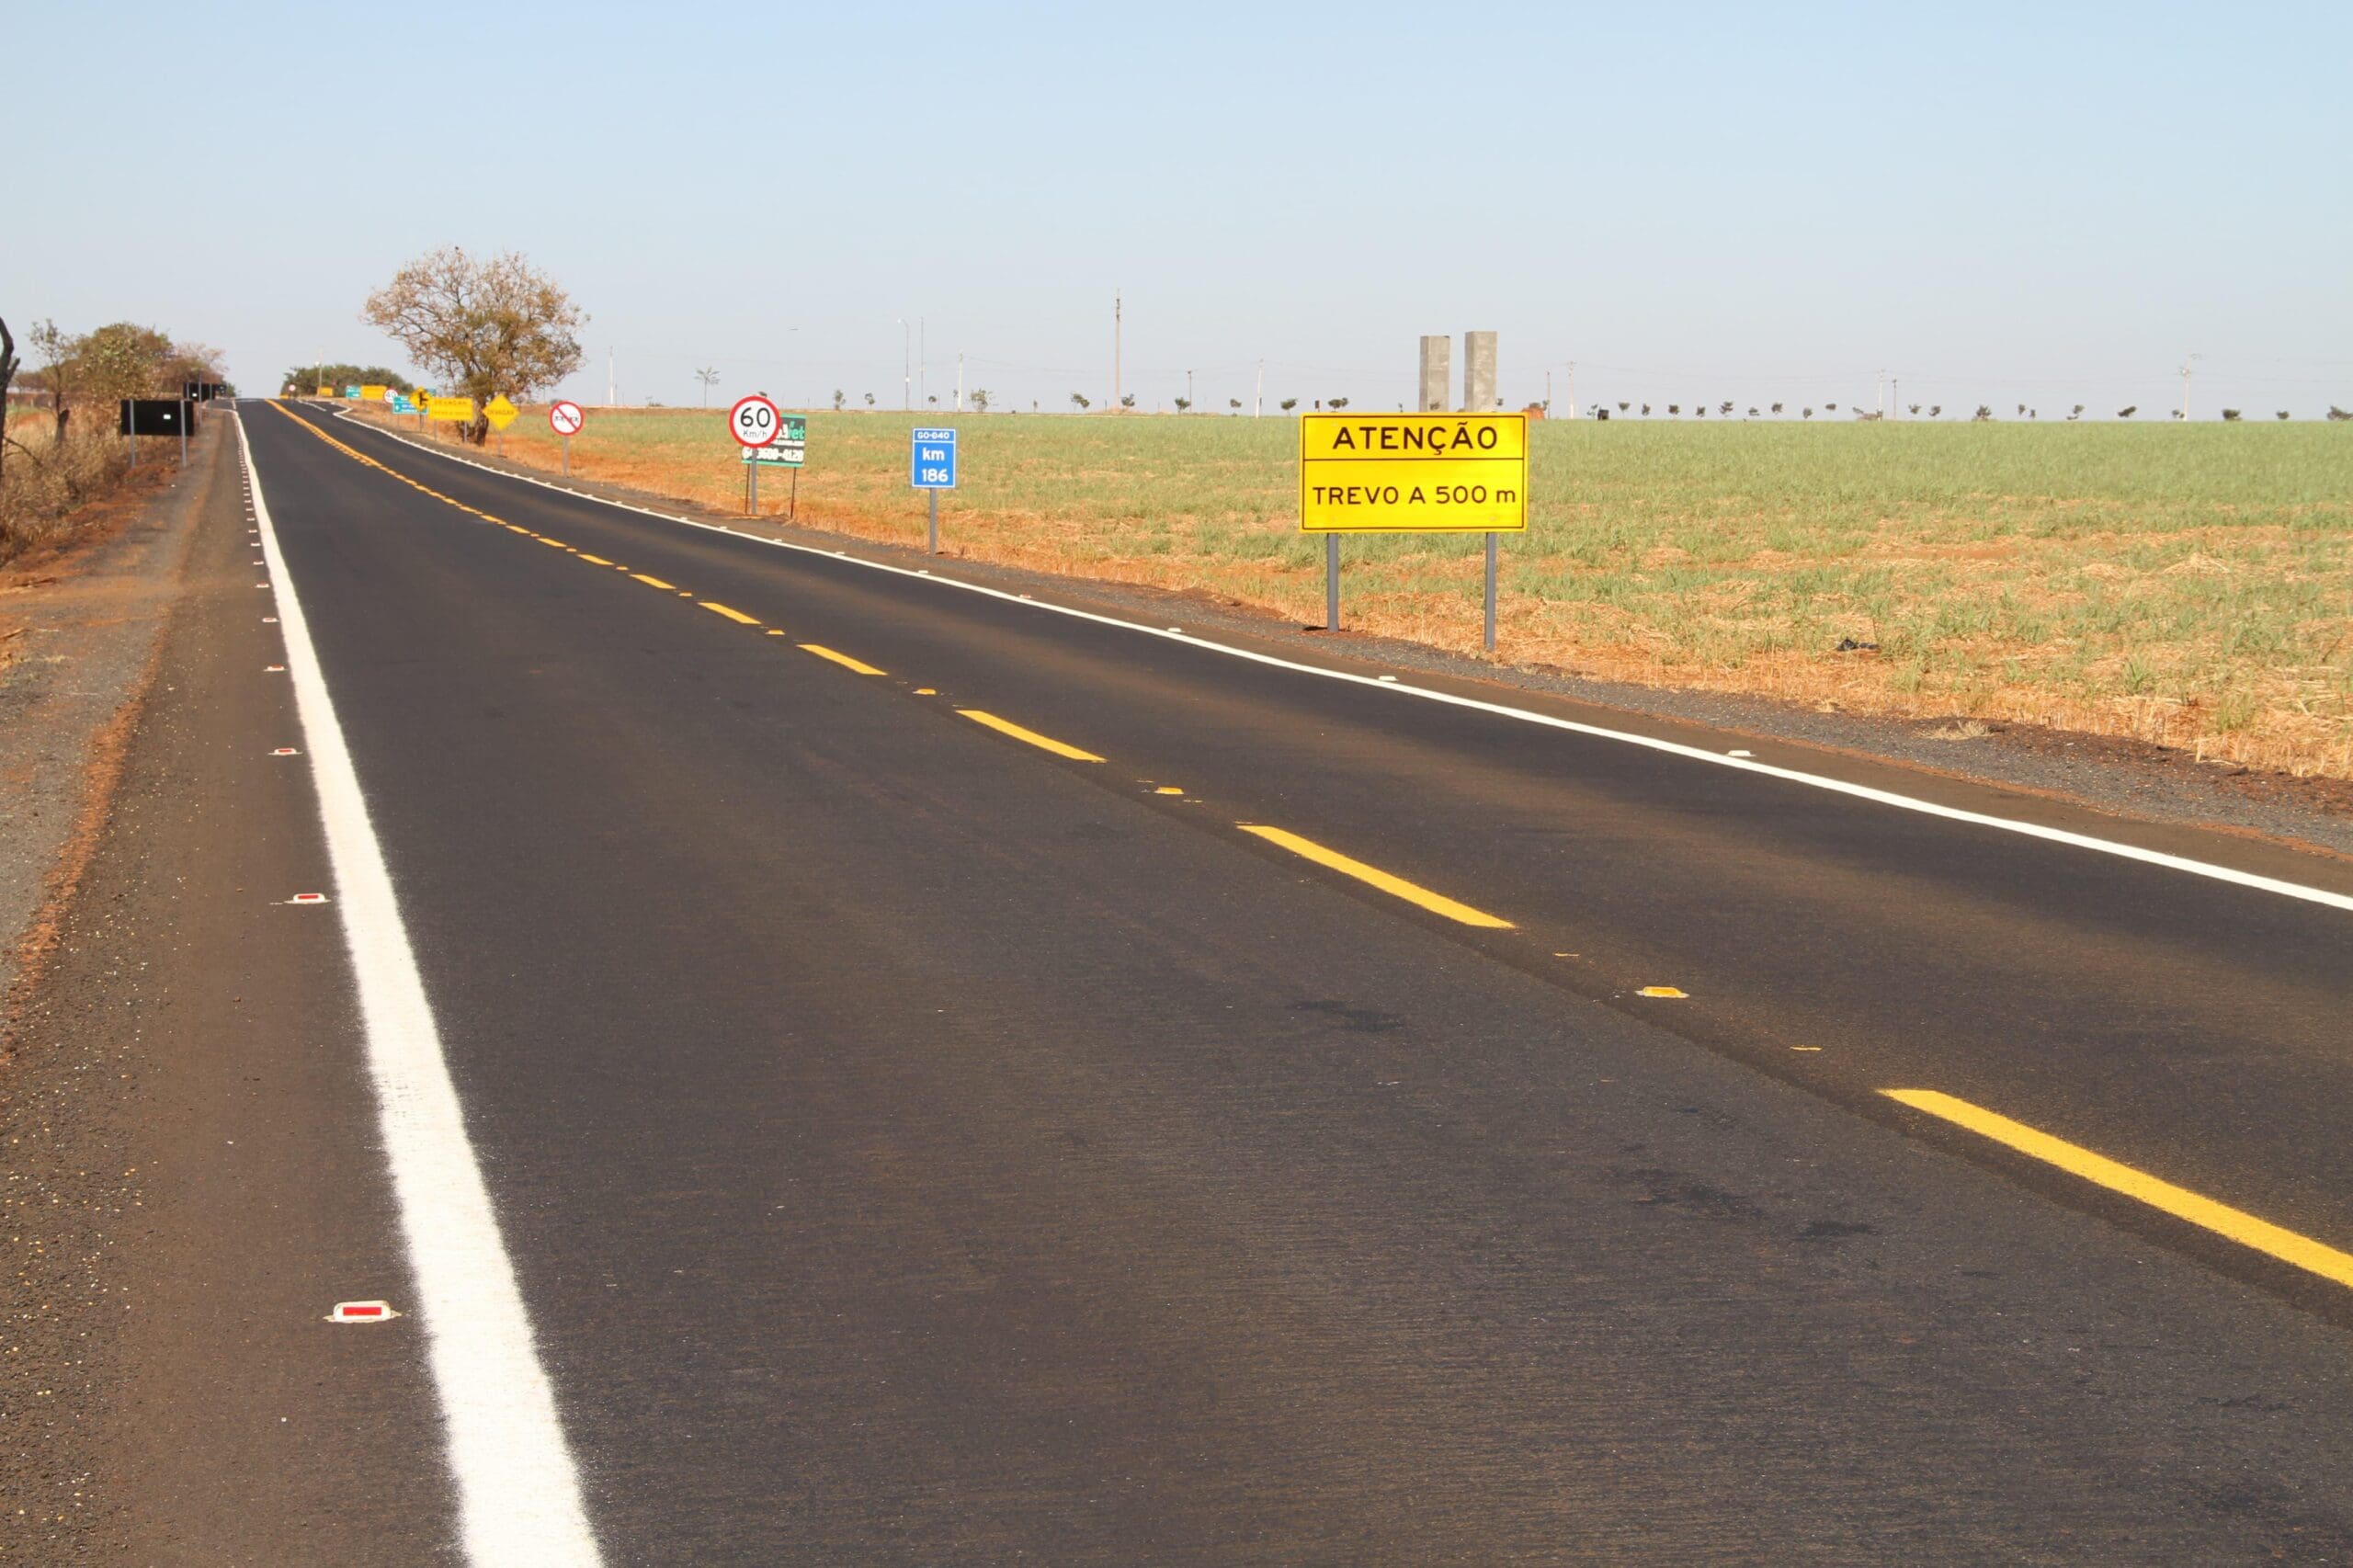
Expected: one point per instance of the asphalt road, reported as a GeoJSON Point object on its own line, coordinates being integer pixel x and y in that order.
{"type": "Point", "coordinates": [958, 1082]}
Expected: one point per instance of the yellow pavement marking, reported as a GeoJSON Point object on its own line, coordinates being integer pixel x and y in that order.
{"type": "Point", "coordinates": [1168, 789]}
{"type": "Point", "coordinates": [737, 616]}
{"type": "Point", "coordinates": [844, 660]}
{"type": "Point", "coordinates": [557, 542]}
{"type": "Point", "coordinates": [1438, 903]}
{"type": "Point", "coordinates": [774, 632]}
{"type": "Point", "coordinates": [1043, 742]}
{"type": "Point", "coordinates": [653, 581]}
{"type": "Point", "coordinates": [2178, 1202]}
{"type": "Point", "coordinates": [1667, 991]}
{"type": "Point", "coordinates": [927, 691]}
{"type": "Point", "coordinates": [596, 559]}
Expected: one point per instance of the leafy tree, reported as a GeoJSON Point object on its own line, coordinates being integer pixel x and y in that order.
{"type": "Point", "coordinates": [2336, 413]}
{"type": "Point", "coordinates": [1623, 406]}
{"type": "Point", "coordinates": [870, 400]}
{"type": "Point", "coordinates": [2282, 414]}
{"type": "Point", "coordinates": [7, 375]}
{"type": "Point", "coordinates": [1233, 404]}
{"type": "Point", "coordinates": [1287, 405]}
{"type": "Point", "coordinates": [935, 400]}
{"type": "Point", "coordinates": [2077, 412]}
{"type": "Point", "coordinates": [980, 400]}
{"type": "Point", "coordinates": [839, 398]}
{"type": "Point", "coordinates": [1985, 413]}
{"type": "Point", "coordinates": [1809, 412]}
{"type": "Point", "coordinates": [307, 379]}
{"type": "Point", "coordinates": [1078, 400]}
{"type": "Point", "coordinates": [1915, 408]}
{"type": "Point", "coordinates": [1699, 410]}
{"type": "Point", "coordinates": [1127, 400]}
{"type": "Point", "coordinates": [1724, 409]}
{"type": "Point", "coordinates": [1831, 406]}
{"type": "Point", "coordinates": [1777, 408]}
{"type": "Point", "coordinates": [1675, 409]}
{"type": "Point", "coordinates": [491, 326]}
{"type": "Point", "coordinates": [708, 377]}
{"type": "Point", "coordinates": [2022, 411]}
{"type": "Point", "coordinates": [2231, 415]}
{"type": "Point", "coordinates": [1183, 403]}
{"type": "Point", "coordinates": [1646, 411]}
{"type": "Point", "coordinates": [1338, 402]}
{"type": "Point", "coordinates": [1752, 414]}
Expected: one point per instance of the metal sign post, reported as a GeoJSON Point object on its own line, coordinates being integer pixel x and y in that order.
{"type": "Point", "coordinates": [931, 468]}
{"type": "Point", "coordinates": [565, 419]}
{"type": "Point", "coordinates": [755, 423]}
{"type": "Point", "coordinates": [1331, 582]}
{"type": "Point", "coordinates": [1491, 592]}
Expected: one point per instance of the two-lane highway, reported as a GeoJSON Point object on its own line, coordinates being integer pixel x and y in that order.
{"type": "Point", "coordinates": [956, 1081]}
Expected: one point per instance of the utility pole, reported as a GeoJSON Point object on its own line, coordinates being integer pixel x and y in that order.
{"type": "Point", "coordinates": [1572, 389]}
{"type": "Point", "coordinates": [960, 381]}
{"type": "Point", "coordinates": [612, 380]}
{"type": "Point", "coordinates": [1895, 396]}
{"type": "Point", "coordinates": [2186, 364]}
{"type": "Point", "coordinates": [1548, 392]}
{"type": "Point", "coordinates": [1118, 310]}
{"type": "Point", "coordinates": [1258, 398]}
{"type": "Point", "coordinates": [1188, 391]}
{"type": "Point", "coordinates": [906, 366]}
{"type": "Point", "coordinates": [923, 358]}
{"type": "Point", "coordinates": [1878, 393]}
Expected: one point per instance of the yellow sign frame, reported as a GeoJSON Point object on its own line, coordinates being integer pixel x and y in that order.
{"type": "Point", "coordinates": [1413, 473]}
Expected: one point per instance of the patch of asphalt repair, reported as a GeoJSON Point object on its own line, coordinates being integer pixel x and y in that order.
{"type": "Point", "coordinates": [2117, 775]}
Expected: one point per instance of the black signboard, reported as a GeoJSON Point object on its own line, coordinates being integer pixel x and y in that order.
{"type": "Point", "coordinates": [155, 416]}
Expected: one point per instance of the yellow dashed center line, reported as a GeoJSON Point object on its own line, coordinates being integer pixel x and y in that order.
{"type": "Point", "coordinates": [1412, 892]}
{"type": "Point", "coordinates": [594, 560]}
{"type": "Point", "coordinates": [653, 581]}
{"type": "Point", "coordinates": [737, 616]}
{"type": "Point", "coordinates": [844, 660]}
{"type": "Point", "coordinates": [557, 542]}
{"type": "Point", "coordinates": [1043, 742]}
{"type": "Point", "coordinates": [2286, 1246]}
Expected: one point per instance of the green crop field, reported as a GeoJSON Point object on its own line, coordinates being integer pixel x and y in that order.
{"type": "Point", "coordinates": [2190, 585]}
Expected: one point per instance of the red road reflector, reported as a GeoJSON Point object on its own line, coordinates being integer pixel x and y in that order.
{"type": "Point", "coordinates": [286, 751]}
{"type": "Point", "coordinates": [273, 669]}
{"type": "Point", "coordinates": [269, 620]}
{"type": "Point", "coordinates": [308, 898]}
{"type": "Point", "coordinates": [362, 1312]}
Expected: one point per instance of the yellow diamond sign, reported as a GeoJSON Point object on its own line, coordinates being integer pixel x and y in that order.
{"type": "Point", "coordinates": [499, 412]}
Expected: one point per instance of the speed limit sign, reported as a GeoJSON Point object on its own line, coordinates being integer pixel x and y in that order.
{"type": "Point", "coordinates": [754, 421]}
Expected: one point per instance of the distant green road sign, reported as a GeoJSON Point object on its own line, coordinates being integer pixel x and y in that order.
{"type": "Point", "coordinates": [790, 448]}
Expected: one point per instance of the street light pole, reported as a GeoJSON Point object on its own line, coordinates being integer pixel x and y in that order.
{"type": "Point", "coordinates": [906, 366]}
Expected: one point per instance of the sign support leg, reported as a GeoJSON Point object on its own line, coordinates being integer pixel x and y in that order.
{"type": "Point", "coordinates": [931, 546]}
{"type": "Point", "coordinates": [792, 503]}
{"type": "Point", "coordinates": [1491, 592]}
{"type": "Point", "coordinates": [184, 406]}
{"type": "Point", "coordinates": [567, 457]}
{"type": "Point", "coordinates": [752, 489]}
{"type": "Point", "coordinates": [1331, 582]}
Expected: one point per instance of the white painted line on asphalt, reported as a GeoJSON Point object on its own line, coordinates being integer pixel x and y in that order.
{"type": "Point", "coordinates": [518, 1491]}
{"type": "Point", "coordinates": [1391, 683]}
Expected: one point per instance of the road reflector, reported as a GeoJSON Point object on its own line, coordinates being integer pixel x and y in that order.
{"type": "Point", "coordinates": [362, 1312]}
{"type": "Point", "coordinates": [1667, 991]}
{"type": "Point", "coordinates": [1169, 790]}
{"type": "Point", "coordinates": [308, 898]}
{"type": "Point", "coordinates": [285, 751]}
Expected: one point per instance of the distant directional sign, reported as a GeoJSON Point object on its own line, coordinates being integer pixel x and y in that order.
{"type": "Point", "coordinates": [351, 392]}
{"type": "Point", "coordinates": [565, 419]}
{"type": "Point", "coordinates": [755, 420]}
{"type": "Point", "coordinates": [790, 448]}
{"type": "Point", "coordinates": [932, 459]}
{"type": "Point", "coordinates": [499, 412]}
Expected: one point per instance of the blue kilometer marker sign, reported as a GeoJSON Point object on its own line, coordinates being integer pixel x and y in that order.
{"type": "Point", "coordinates": [932, 463]}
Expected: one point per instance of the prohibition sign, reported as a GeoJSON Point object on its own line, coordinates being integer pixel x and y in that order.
{"type": "Point", "coordinates": [566, 419]}
{"type": "Point", "coordinates": [754, 421]}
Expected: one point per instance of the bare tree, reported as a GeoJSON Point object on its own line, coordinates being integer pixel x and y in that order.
{"type": "Point", "coordinates": [491, 327]}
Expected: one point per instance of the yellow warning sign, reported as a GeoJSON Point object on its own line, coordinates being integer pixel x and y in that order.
{"type": "Point", "coordinates": [374, 394]}
{"type": "Point", "coordinates": [499, 412]}
{"type": "Point", "coordinates": [327, 392]}
{"type": "Point", "coordinates": [458, 408]}
{"type": "Point", "coordinates": [1413, 472]}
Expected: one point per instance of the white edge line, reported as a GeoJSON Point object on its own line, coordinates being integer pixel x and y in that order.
{"type": "Point", "coordinates": [1673, 748]}
{"type": "Point", "coordinates": [518, 1491]}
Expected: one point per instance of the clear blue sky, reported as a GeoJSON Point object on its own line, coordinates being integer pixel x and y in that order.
{"type": "Point", "coordinates": [2033, 203]}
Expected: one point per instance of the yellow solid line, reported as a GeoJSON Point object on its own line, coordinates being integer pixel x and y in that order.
{"type": "Point", "coordinates": [844, 660]}
{"type": "Point", "coordinates": [596, 558]}
{"type": "Point", "coordinates": [737, 616]}
{"type": "Point", "coordinates": [653, 581]}
{"type": "Point", "coordinates": [2178, 1202]}
{"type": "Point", "coordinates": [1411, 892]}
{"type": "Point", "coordinates": [1043, 742]}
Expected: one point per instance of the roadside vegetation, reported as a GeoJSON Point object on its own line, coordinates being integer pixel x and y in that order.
{"type": "Point", "coordinates": [2187, 585]}
{"type": "Point", "coordinates": [59, 449]}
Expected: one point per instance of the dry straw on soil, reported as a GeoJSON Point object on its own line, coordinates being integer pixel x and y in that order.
{"type": "Point", "coordinates": [2190, 586]}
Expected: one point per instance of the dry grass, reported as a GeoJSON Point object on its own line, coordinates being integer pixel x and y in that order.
{"type": "Point", "coordinates": [45, 484]}
{"type": "Point", "coordinates": [2190, 586]}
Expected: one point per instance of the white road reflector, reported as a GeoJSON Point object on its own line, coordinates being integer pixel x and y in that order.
{"type": "Point", "coordinates": [285, 751]}
{"type": "Point", "coordinates": [362, 1312]}
{"type": "Point", "coordinates": [308, 898]}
